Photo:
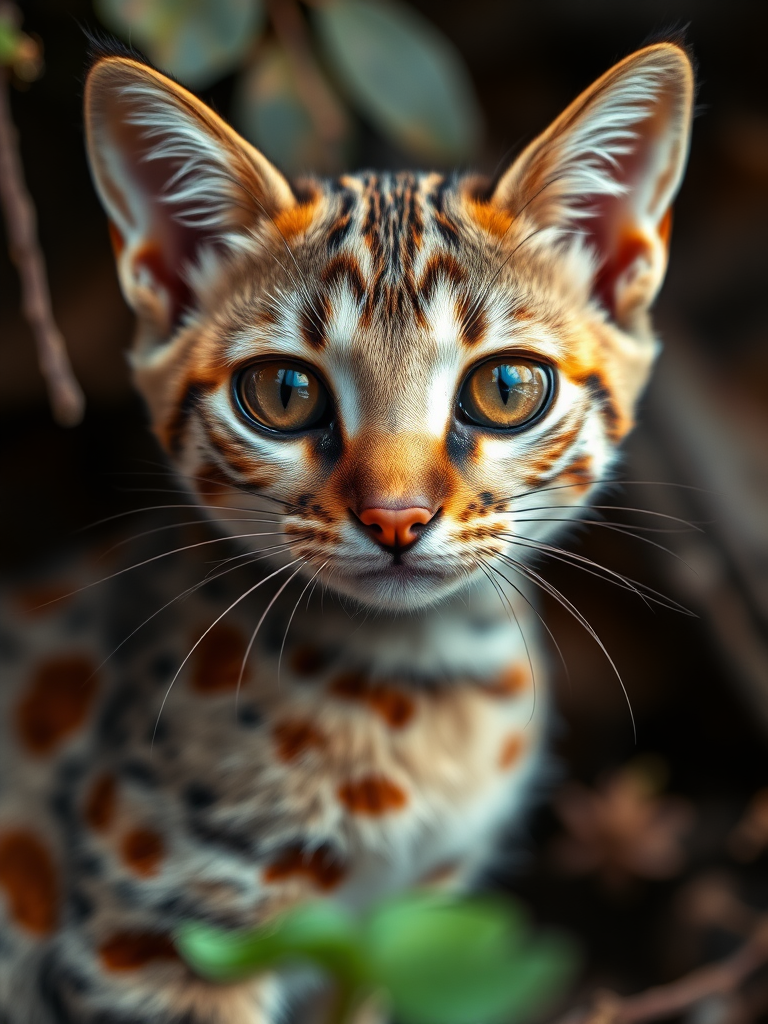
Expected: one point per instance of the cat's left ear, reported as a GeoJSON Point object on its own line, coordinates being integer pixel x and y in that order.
{"type": "Point", "coordinates": [175, 181]}
{"type": "Point", "coordinates": [609, 168]}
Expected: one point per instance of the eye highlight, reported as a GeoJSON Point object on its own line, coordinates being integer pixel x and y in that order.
{"type": "Point", "coordinates": [504, 394]}
{"type": "Point", "coordinates": [283, 396]}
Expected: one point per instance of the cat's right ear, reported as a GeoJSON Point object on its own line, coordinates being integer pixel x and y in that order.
{"type": "Point", "coordinates": [174, 179]}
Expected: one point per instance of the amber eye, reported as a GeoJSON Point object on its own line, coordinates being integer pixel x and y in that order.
{"type": "Point", "coordinates": [504, 395]}
{"type": "Point", "coordinates": [283, 396]}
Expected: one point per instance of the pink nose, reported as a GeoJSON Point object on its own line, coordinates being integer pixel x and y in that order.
{"type": "Point", "coordinates": [394, 527]}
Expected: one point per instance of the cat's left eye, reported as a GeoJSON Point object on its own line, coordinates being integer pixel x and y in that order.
{"type": "Point", "coordinates": [283, 396]}
{"type": "Point", "coordinates": [504, 394]}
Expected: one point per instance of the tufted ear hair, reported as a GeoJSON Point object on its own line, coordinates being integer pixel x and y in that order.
{"type": "Point", "coordinates": [174, 179]}
{"type": "Point", "coordinates": [608, 169]}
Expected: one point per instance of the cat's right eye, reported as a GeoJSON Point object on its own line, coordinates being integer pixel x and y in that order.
{"type": "Point", "coordinates": [282, 396]}
{"type": "Point", "coordinates": [505, 394]}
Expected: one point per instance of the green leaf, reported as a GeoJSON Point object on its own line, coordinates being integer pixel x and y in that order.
{"type": "Point", "coordinates": [197, 41]}
{"type": "Point", "coordinates": [320, 933]}
{"type": "Point", "coordinates": [270, 111]}
{"type": "Point", "coordinates": [222, 956]}
{"type": "Point", "coordinates": [461, 962]}
{"type": "Point", "coordinates": [9, 42]}
{"type": "Point", "coordinates": [403, 74]}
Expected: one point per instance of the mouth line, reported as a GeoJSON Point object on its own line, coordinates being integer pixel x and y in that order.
{"type": "Point", "coordinates": [398, 570]}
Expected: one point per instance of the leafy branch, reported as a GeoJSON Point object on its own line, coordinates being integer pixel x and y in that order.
{"type": "Point", "coordinates": [309, 71]}
{"type": "Point", "coordinates": [432, 959]}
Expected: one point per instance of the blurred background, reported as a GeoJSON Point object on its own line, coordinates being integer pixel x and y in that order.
{"type": "Point", "coordinates": [633, 847]}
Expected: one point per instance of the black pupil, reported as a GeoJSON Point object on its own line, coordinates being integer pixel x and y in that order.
{"type": "Point", "coordinates": [506, 380]}
{"type": "Point", "coordinates": [287, 383]}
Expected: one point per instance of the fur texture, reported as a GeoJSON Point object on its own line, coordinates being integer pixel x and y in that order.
{"type": "Point", "coordinates": [249, 748]}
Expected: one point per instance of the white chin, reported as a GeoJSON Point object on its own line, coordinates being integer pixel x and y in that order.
{"type": "Point", "coordinates": [399, 588]}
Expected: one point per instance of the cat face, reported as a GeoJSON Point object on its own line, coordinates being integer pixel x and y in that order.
{"type": "Point", "coordinates": [406, 372]}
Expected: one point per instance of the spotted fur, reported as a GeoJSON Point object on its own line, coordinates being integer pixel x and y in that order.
{"type": "Point", "coordinates": [251, 746]}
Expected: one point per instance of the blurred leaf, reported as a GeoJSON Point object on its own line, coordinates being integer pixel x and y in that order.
{"type": "Point", "coordinates": [9, 42]}
{"type": "Point", "coordinates": [440, 960]}
{"type": "Point", "coordinates": [319, 932]}
{"type": "Point", "coordinates": [403, 74]}
{"type": "Point", "coordinates": [197, 41]}
{"type": "Point", "coordinates": [468, 962]}
{"type": "Point", "coordinates": [270, 111]}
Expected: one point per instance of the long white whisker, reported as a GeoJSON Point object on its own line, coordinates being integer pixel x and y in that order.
{"type": "Point", "coordinates": [526, 570]}
{"type": "Point", "coordinates": [202, 637]}
{"type": "Point", "coordinates": [290, 620]}
{"type": "Point", "coordinates": [264, 614]}
{"type": "Point", "coordinates": [266, 553]}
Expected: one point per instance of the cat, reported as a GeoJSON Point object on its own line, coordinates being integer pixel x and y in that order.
{"type": "Point", "coordinates": [391, 388]}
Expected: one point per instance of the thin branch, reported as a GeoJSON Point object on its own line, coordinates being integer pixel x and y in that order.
{"type": "Point", "coordinates": [665, 1001]}
{"type": "Point", "coordinates": [66, 396]}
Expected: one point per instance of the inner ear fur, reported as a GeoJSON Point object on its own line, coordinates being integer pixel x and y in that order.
{"type": "Point", "coordinates": [608, 169]}
{"type": "Point", "coordinates": [173, 178]}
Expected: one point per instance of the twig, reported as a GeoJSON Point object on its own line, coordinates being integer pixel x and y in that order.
{"type": "Point", "coordinates": [66, 396]}
{"type": "Point", "coordinates": [668, 1000]}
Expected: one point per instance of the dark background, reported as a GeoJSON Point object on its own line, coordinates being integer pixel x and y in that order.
{"type": "Point", "coordinates": [699, 686]}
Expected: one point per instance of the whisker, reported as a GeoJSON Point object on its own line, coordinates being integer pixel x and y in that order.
{"type": "Point", "coordinates": [155, 558]}
{"type": "Point", "coordinates": [643, 591]}
{"type": "Point", "coordinates": [512, 614]}
{"type": "Point", "coordinates": [290, 620]}
{"type": "Point", "coordinates": [191, 590]}
{"type": "Point", "coordinates": [691, 527]}
{"type": "Point", "coordinates": [203, 635]}
{"type": "Point", "coordinates": [536, 612]}
{"type": "Point", "coordinates": [548, 588]}
{"type": "Point", "coordinates": [604, 481]}
{"type": "Point", "coordinates": [185, 504]}
{"type": "Point", "coordinates": [189, 522]}
{"type": "Point", "coordinates": [624, 530]}
{"type": "Point", "coordinates": [264, 614]}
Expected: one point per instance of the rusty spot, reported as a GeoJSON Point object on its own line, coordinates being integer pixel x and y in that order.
{"type": "Point", "coordinates": [512, 681]}
{"type": "Point", "coordinates": [372, 794]}
{"type": "Point", "coordinates": [129, 951]}
{"type": "Point", "coordinates": [293, 738]}
{"type": "Point", "coordinates": [142, 850]}
{"type": "Point", "coordinates": [217, 660]}
{"type": "Point", "coordinates": [511, 749]}
{"type": "Point", "coordinates": [101, 803]}
{"type": "Point", "coordinates": [321, 866]}
{"type": "Point", "coordinates": [395, 707]}
{"type": "Point", "coordinates": [390, 703]}
{"type": "Point", "coordinates": [28, 878]}
{"type": "Point", "coordinates": [57, 702]}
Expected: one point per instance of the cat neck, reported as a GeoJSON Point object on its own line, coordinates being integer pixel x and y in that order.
{"type": "Point", "coordinates": [471, 635]}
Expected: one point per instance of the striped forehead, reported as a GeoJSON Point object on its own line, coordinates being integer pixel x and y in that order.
{"type": "Point", "coordinates": [392, 299]}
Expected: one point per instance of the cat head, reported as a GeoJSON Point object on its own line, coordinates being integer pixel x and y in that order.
{"type": "Point", "coordinates": [408, 371]}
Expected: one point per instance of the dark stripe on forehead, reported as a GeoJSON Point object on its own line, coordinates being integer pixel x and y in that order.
{"type": "Point", "coordinates": [444, 224]}
{"type": "Point", "coordinates": [473, 320]}
{"type": "Point", "coordinates": [313, 322]}
{"type": "Point", "coordinates": [441, 266]}
{"type": "Point", "coordinates": [344, 269]}
{"type": "Point", "coordinates": [340, 229]}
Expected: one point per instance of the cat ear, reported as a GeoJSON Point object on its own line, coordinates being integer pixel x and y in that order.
{"type": "Point", "coordinates": [609, 168]}
{"type": "Point", "coordinates": [173, 178]}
